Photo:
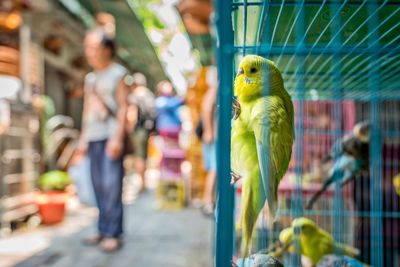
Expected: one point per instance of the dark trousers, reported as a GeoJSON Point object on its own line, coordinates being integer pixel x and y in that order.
{"type": "Point", "coordinates": [107, 177]}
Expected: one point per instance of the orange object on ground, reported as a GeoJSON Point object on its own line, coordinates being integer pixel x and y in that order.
{"type": "Point", "coordinates": [51, 206]}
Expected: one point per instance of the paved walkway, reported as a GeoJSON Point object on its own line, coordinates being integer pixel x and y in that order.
{"type": "Point", "coordinates": [152, 238]}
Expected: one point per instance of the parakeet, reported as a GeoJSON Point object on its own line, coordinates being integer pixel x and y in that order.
{"type": "Point", "coordinates": [262, 138]}
{"type": "Point", "coordinates": [350, 156]}
{"type": "Point", "coordinates": [314, 242]}
{"type": "Point", "coordinates": [396, 184]}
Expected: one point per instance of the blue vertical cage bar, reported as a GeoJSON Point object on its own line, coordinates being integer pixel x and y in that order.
{"type": "Point", "coordinates": [297, 198]}
{"type": "Point", "coordinates": [225, 202]}
{"type": "Point", "coordinates": [376, 144]}
{"type": "Point", "coordinates": [338, 206]}
{"type": "Point", "coordinates": [300, 95]}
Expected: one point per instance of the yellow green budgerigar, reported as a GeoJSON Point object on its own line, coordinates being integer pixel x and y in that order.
{"type": "Point", "coordinates": [314, 242]}
{"type": "Point", "coordinates": [262, 138]}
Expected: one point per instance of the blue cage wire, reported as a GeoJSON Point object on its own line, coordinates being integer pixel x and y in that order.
{"type": "Point", "coordinates": [340, 63]}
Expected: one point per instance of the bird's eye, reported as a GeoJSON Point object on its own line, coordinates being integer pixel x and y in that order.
{"type": "Point", "coordinates": [253, 70]}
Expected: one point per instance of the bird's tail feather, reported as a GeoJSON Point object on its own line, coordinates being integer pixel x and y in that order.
{"type": "Point", "coordinates": [271, 207]}
{"type": "Point", "coordinates": [318, 194]}
{"type": "Point", "coordinates": [269, 180]}
{"type": "Point", "coordinates": [252, 202]}
{"type": "Point", "coordinates": [347, 250]}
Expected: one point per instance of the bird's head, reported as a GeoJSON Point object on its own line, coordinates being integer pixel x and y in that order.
{"type": "Point", "coordinates": [305, 226]}
{"type": "Point", "coordinates": [361, 131]}
{"type": "Point", "coordinates": [285, 236]}
{"type": "Point", "coordinates": [252, 80]}
{"type": "Point", "coordinates": [286, 242]}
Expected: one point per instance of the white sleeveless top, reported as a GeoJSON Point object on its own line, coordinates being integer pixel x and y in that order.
{"type": "Point", "coordinates": [98, 124]}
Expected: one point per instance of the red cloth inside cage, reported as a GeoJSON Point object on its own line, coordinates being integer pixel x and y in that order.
{"type": "Point", "coordinates": [319, 126]}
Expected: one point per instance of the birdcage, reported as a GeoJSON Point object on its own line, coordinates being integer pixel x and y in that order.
{"type": "Point", "coordinates": [340, 64]}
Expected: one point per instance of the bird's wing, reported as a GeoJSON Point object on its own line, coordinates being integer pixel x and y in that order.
{"type": "Point", "coordinates": [321, 244]}
{"type": "Point", "coordinates": [336, 149]}
{"type": "Point", "coordinates": [273, 131]}
{"type": "Point", "coordinates": [242, 147]}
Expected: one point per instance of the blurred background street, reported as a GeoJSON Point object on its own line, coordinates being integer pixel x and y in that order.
{"type": "Point", "coordinates": [152, 238]}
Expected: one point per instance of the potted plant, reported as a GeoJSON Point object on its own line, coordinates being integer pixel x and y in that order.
{"type": "Point", "coordinates": [52, 196]}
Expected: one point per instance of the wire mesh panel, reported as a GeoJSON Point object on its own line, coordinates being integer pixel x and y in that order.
{"type": "Point", "coordinates": [339, 61]}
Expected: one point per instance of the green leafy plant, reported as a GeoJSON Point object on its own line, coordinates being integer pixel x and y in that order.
{"type": "Point", "coordinates": [145, 15]}
{"type": "Point", "coordinates": [54, 181]}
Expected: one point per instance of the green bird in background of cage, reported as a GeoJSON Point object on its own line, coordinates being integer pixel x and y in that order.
{"type": "Point", "coordinates": [312, 241]}
{"type": "Point", "coordinates": [262, 139]}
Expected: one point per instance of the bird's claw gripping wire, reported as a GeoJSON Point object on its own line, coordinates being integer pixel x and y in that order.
{"type": "Point", "coordinates": [236, 109]}
{"type": "Point", "coordinates": [235, 177]}
{"type": "Point", "coordinates": [277, 249]}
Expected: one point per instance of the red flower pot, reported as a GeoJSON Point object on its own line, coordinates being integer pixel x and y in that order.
{"type": "Point", "coordinates": [51, 206]}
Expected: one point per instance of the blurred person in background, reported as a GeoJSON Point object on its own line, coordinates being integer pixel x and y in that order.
{"type": "Point", "coordinates": [208, 136]}
{"type": "Point", "coordinates": [141, 118]}
{"type": "Point", "coordinates": [103, 133]}
{"type": "Point", "coordinates": [168, 122]}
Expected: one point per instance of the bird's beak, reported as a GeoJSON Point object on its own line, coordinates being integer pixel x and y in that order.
{"type": "Point", "coordinates": [240, 72]}
{"type": "Point", "coordinates": [361, 131]}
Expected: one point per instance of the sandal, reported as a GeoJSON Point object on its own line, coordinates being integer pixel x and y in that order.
{"type": "Point", "coordinates": [110, 244]}
{"type": "Point", "coordinates": [93, 240]}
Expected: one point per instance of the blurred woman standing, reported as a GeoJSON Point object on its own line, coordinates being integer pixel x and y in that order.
{"type": "Point", "coordinates": [103, 132]}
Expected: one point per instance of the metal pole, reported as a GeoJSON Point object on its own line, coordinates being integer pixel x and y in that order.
{"type": "Point", "coordinates": [376, 174]}
{"type": "Point", "coordinates": [224, 219]}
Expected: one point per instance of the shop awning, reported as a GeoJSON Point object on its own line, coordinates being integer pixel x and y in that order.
{"type": "Point", "coordinates": [134, 47]}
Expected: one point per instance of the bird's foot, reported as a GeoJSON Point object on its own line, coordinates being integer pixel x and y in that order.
{"type": "Point", "coordinates": [235, 177]}
{"type": "Point", "coordinates": [236, 109]}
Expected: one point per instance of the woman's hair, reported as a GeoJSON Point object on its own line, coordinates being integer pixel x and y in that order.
{"type": "Point", "coordinates": [161, 85]}
{"type": "Point", "coordinates": [108, 43]}
{"type": "Point", "coordinates": [105, 40]}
